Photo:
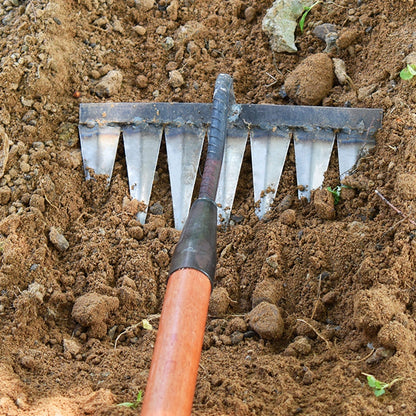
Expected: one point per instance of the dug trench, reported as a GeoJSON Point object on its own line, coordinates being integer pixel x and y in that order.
{"type": "Point", "coordinates": [305, 301]}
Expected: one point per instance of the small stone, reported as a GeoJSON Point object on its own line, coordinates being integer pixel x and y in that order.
{"type": "Point", "coordinates": [28, 362]}
{"type": "Point", "coordinates": [144, 5]}
{"type": "Point", "coordinates": [236, 337]}
{"type": "Point", "coordinates": [250, 14]}
{"type": "Point", "coordinates": [219, 302]}
{"type": "Point", "coordinates": [110, 84]}
{"type": "Point", "coordinates": [329, 298]}
{"type": "Point", "coordinates": [308, 377]}
{"type": "Point", "coordinates": [172, 65]}
{"type": "Point", "coordinates": [168, 43]}
{"type": "Point", "coordinates": [267, 321]}
{"type": "Point", "coordinates": [156, 209]}
{"type": "Point", "coordinates": [58, 239]}
{"type": "Point", "coordinates": [175, 79]}
{"type": "Point", "coordinates": [142, 81]}
{"type": "Point", "coordinates": [301, 345]}
{"type": "Point", "coordinates": [71, 346]}
{"type": "Point", "coordinates": [5, 195]}
{"type": "Point", "coordinates": [140, 30]}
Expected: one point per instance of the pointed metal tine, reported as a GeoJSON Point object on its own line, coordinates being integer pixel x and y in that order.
{"type": "Point", "coordinates": [183, 147]}
{"type": "Point", "coordinates": [99, 148]}
{"type": "Point", "coordinates": [235, 145]}
{"type": "Point", "coordinates": [268, 154]}
{"type": "Point", "coordinates": [312, 153]}
{"type": "Point", "coordinates": [351, 146]}
{"type": "Point", "coordinates": [141, 146]}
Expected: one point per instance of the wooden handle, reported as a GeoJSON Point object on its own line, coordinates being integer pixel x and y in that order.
{"type": "Point", "coordinates": [173, 372]}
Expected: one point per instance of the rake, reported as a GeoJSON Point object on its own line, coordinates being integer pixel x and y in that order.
{"type": "Point", "coordinates": [270, 129]}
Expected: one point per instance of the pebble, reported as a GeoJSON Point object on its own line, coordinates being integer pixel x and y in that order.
{"type": "Point", "coordinates": [267, 321]}
{"type": "Point", "coordinates": [250, 14]}
{"type": "Point", "coordinates": [110, 84]}
{"type": "Point", "coordinates": [140, 30]}
{"type": "Point", "coordinates": [5, 195]}
{"type": "Point", "coordinates": [175, 79]}
{"type": "Point", "coordinates": [58, 239]}
{"type": "Point", "coordinates": [156, 209]}
{"type": "Point", "coordinates": [71, 346]}
{"type": "Point", "coordinates": [144, 5]}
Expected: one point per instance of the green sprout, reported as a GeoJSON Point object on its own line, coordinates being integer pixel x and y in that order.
{"type": "Point", "coordinates": [135, 404]}
{"type": "Point", "coordinates": [379, 387]}
{"type": "Point", "coordinates": [306, 11]}
{"type": "Point", "coordinates": [336, 192]}
{"type": "Point", "coordinates": [409, 72]}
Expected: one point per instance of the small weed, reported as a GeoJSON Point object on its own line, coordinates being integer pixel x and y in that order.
{"type": "Point", "coordinates": [336, 192]}
{"type": "Point", "coordinates": [306, 11]}
{"type": "Point", "coordinates": [135, 404]}
{"type": "Point", "coordinates": [409, 72]}
{"type": "Point", "coordinates": [379, 387]}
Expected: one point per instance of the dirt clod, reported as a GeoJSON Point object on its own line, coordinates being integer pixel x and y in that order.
{"type": "Point", "coordinates": [92, 310]}
{"type": "Point", "coordinates": [219, 302]}
{"type": "Point", "coordinates": [310, 82]}
{"type": "Point", "coordinates": [266, 320]}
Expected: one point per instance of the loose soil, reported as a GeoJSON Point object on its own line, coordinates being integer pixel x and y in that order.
{"type": "Point", "coordinates": [78, 273]}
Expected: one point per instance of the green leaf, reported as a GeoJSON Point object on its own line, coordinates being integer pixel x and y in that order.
{"type": "Point", "coordinates": [405, 74]}
{"type": "Point", "coordinates": [135, 404]}
{"type": "Point", "coordinates": [146, 324]}
{"type": "Point", "coordinates": [372, 382]}
{"type": "Point", "coordinates": [412, 69]}
{"type": "Point", "coordinates": [305, 13]}
{"type": "Point", "coordinates": [379, 392]}
{"type": "Point", "coordinates": [303, 18]}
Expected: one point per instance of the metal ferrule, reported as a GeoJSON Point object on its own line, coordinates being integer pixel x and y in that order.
{"type": "Point", "coordinates": [196, 248]}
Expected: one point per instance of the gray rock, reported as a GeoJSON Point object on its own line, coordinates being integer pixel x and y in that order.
{"type": "Point", "coordinates": [280, 23]}
{"type": "Point", "coordinates": [110, 84]}
{"type": "Point", "coordinates": [58, 239]}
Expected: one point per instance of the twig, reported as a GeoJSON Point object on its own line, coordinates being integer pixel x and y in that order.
{"type": "Point", "coordinates": [332, 347]}
{"type": "Point", "coordinates": [394, 208]}
{"type": "Point", "coordinates": [318, 297]}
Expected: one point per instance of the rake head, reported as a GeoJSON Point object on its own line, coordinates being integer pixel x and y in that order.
{"type": "Point", "coordinates": [270, 128]}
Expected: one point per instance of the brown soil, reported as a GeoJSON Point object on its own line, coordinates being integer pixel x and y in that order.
{"type": "Point", "coordinates": [78, 273]}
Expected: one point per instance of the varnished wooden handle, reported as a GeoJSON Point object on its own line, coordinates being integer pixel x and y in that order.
{"type": "Point", "coordinates": [173, 372]}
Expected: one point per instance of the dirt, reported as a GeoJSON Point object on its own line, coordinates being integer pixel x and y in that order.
{"type": "Point", "coordinates": [79, 273]}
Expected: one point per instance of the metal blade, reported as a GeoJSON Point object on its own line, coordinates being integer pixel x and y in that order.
{"type": "Point", "coordinates": [351, 146]}
{"type": "Point", "coordinates": [99, 148]}
{"type": "Point", "coordinates": [184, 147]}
{"type": "Point", "coordinates": [312, 153]}
{"type": "Point", "coordinates": [268, 155]}
{"type": "Point", "coordinates": [141, 146]}
{"type": "Point", "coordinates": [235, 145]}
